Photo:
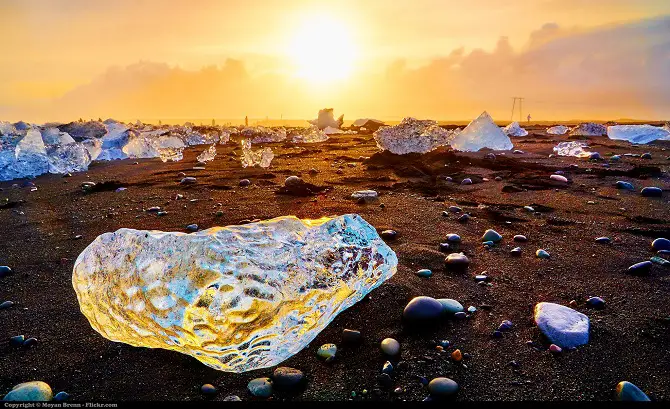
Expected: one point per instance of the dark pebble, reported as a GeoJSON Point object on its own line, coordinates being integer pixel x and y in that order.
{"type": "Point", "coordinates": [245, 182]}
{"type": "Point", "coordinates": [444, 247]}
{"type": "Point", "coordinates": [596, 302]}
{"type": "Point", "coordinates": [661, 244]}
{"type": "Point", "coordinates": [351, 336]}
{"type": "Point", "coordinates": [16, 341]}
{"type": "Point", "coordinates": [652, 192]}
{"type": "Point", "coordinates": [285, 377]}
{"type": "Point", "coordinates": [389, 234]}
{"type": "Point", "coordinates": [640, 268]}
{"type": "Point", "coordinates": [61, 396]}
{"type": "Point", "coordinates": [29, 342]}
{"type": "Point", "coordinates": [6, 304]}
{"type": "Point", "coordinates": [422, 308]}
{"type": "Point", "coordinates": [5, 271]}
{"type": "Point", "coordinates": [208, 389]}
{"type": "Point", "coordinates": [384, 380]}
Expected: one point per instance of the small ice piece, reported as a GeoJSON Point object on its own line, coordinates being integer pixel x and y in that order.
{"type": "Point", "coordinates": [481, 133]}
{"type": "Point", "coordinates": [573, 148]}
{"type": "Point", "coordinates": [588, 129]}
{"type": "Point", "coordinates": [261, 134]}
{"type": "Point", "coordinates": [558, 130]}
{"type": "Point", "coordinates": [261, 157]}
{"type": "Point", "coordinates": [170, 148]}
{"type": "Point", "coordinates": [207, 155]}
{"type": "Point", "coordinates": [53, 136]}
{"type": "Point", "coordinates": [327, 119]}
{"type": "Point", "coordinates": [237, 298]}
{"type": "Point", "coordinates": [141, 147]}
{"type": "Point", "coordinates": [311, 135]}
{"type": "Point", "coordinates": [332, 131]}
{"type": "Point", "coordinates": [412, 136]}
{"type": "Point", "coordinates": [93, 146]}
{"type": "Point", "coordinates": [224, 137]}
{"type": "Point", "coordinates": [639, 134]}
{"type": "Point", "coordinates": [514, 129]}
{"type": "Point", "coordinates": [365, 195]}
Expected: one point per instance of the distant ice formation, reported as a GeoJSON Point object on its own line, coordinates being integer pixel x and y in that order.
{"type": "Point", "coordinates": [514, 129]}
{"type": "Point", "coordinates": [588, 129]}
{"type": "Point", "coordinates": [326, 119]}
{"type": "Point", "coordinates": [558, 130]}
{"type": "Point", "coordinates": [639, 134]}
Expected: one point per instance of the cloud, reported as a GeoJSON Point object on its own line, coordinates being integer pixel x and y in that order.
{"type": "Point", "coordinates": [615, 71]}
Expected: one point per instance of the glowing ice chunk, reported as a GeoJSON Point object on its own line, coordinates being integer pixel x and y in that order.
{"type": "Point", "coordinates": [481, 133]}
{"type": "Point", "coordinates": [640, 134]}
{"type": "Point", "coordinates": [261, 157]}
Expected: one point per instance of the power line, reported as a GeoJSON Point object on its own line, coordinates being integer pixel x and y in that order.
{"type": "Point", "coordinates": [520, 108]}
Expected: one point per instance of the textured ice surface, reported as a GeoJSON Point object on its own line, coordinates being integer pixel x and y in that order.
{"type": "Point", "coordinates": [638, 133]}
{"type": "Point", "coordinates": [311, 135]}
{"type": "Point", "coordinates": [208, 154]}
{"type": "Point", "coordinates": [514, 129]}
{"type": "Point", "coordinates": [588, 129]}
{"type": "Point", "coordinates": [563, 326]}
{"type": "Point", "coordinates": [329, 130]}
{"type": "Point", "coordinates": [115, 139]}
{"type": "Point", "coordinates": [327, 119]}
{"type": "Point", "coordinates": [236, 298]}
{"type": "Point", "coordinates": [558, 130]}
{"type": "Point", "coordinates": [412, 136]}
{"type": "Point", "coordinates": [575, 148]}
{"type": "Point", "coordinates": [261, 157]}
{"type": "Point", "coordinates": [66, 158]}
{"type": "Point", "coordinates": [481, 133]}
{"type": "Point", "coordinates": [261, 134]}
{"type": "Point", "coordinates": [170, 148]}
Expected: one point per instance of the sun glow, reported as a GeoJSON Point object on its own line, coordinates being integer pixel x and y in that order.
{"type": "Point", "coordinates": [323, 50]}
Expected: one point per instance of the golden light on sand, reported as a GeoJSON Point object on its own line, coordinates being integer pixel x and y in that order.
{"type": "Point", "coordinates": [323, 49]}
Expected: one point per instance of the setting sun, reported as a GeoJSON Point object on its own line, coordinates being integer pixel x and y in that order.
{"type": "Point", "coordinates": [323, 49]}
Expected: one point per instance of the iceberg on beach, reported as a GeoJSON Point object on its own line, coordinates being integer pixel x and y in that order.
{"type": "Point", "coordinates": [481, 133]}
{"type": "Point", "coordinates": [412, 136]}
{"type": "Point", "coordinates": [588, 129]}
{"type": "Point", "coordinates": [573, 148]}
{"type": "Point", "coordinates": [558, 130]}
{"type": "Point", "coordinates": [326, 119]}
{"type": "Point", "coordinates": [514, 129]}
{"type": "Point", "coordinates": [639, 134]}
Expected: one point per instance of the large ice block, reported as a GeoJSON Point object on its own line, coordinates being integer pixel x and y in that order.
{"type": "Point", "coordinates": [639, 134]}
{"type": "Point", "coordinates": [481, 133]}
{"type": "Point", "coordinates": [412, 136]}
{"type": "Point", "coordinates": [237, 298]}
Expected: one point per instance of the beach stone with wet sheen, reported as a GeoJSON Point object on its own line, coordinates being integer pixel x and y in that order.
{"type": "Point", "coordinates": [236, 298]}
{"type": "Point", "coordinates": [563, 326]}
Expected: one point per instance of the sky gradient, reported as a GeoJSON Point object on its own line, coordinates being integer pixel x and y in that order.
{"type": "Point", "coordinates": [439, 59]}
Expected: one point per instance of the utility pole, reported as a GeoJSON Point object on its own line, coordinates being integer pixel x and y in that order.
{"type": "Point", "coordinates": [520, 108]}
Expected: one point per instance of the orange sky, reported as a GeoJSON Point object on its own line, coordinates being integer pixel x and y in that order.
{"type": "Point", "coordinates": [440, 59]}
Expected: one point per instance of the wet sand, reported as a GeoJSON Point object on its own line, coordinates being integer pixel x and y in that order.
{"type": "Point", "coordinates": [628, 339]}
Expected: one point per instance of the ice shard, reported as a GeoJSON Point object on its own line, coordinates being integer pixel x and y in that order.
{"type": "Point", "coordinates": [261, 157]}
{"type": "Point", "coordinates": [639, 134]}
{"type": "Point", "coordinates": [412, 136]}
{"type": "Point", "coordinates": [514, 129]}
{"type": "Point", "coordinates": [588, 129]}
{"type": "Point", "coordinates": [558, 130]}
{"type": "Point", "coordinates": [573, 148]}
{"type": "Point", "coordinates": [481, 133]}
{"type": "Point", "coordinates": [237, 298]}
{"type": "Point", "coordinates": [207, 155]}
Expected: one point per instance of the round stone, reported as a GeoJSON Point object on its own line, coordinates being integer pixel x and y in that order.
{"type": "Point", "coordinates": [645, 155]}
{"type": "Point", "coordinates": [36, 391]}
{"type": "Point", "coordinates": [449, 306]}
{"type": "Point", "coordinates": [442, 387]}
{"type": "Point", "coordinates": [520, 238]}
{"type": "Point", "coordinates": [652, 192]}
{"type": "Point", "coordinates": [422, 308]}
{"type": "Point", "coordinates": [596, 302]}
{"type": "Point", "coordinates": [260, 387]}
{"type": "Point", "coordinates": [389, 234]}
{"type": "Point", "coordinates": [595, 156]}
{"type": "Point", "coordinates": [208, 389]}
{"type": "Point", "coordinates": [620, 184]}
{"type": "Point", "coordinates": [453, 238]}
{"type": "Point", "coordinates": [5, 271]}
{"type": "Point", "coordinates": [460, 315]}
{"type": "Point", "coordinates": [464, 218]}
{"type": "Point", "coordinates": [516, 251]}
{"type": "Point", "coordinates": [327, 352]}
{"type": "Point", "coordinates": [466, 181]}
{"type": "Point", "coordinates": [425, 273]}
{"type": "Point", "coordinates": [387, 368]}
{"type": "Point", "coordinates": [455, 209]}
{"type": "Point", "coordinates": [245, 182]}
{"type": "Point", "coordinates": [661, 244]}
{"type": "Point", "coordinates": [559, 178]}
{"type": "Point", "coordinates": [626, 391]}
{"type": "Point", "coordinates": [390, 346]}
{"type": "Point", "coordinates": [192, 227]}
{"type": "Point", "coordinates": [350, 336]}
{"type": "Point", "coordinates": [232, 398]}
{"type": "Point", "coordinates": [17, 341]}
{"type": "Point", "coordinates": [189, 180]}
{"type": "Point", "coordinates": [457, 261]}
{"type": "Point", "coordinates": [29, 342]}
{"type": "Point", "coordinates": [472, 309]}
{"type": "Point", "coordinates": [292, 181]}
{"type": "Point", "coordinates": [603, 240]}
{"type": "Point", "coordinates": [555, 349]}
{"type": "Point", "coordinates": [491, 235]}
{"type": "Point", "coordinates": [505, 326]}
{"type": "Point", "coordinates": [640, 268]}
{"type": "Point", "coordinates": [497, 178]}
{"type": "Point", "coordinates": [541, 253]}
{"type": "Point", "coordinates": [6, 304]}
{"type": "Point", "coordinates": [481, 277]}
{"type": "Point", "coordinates": [285, 377]}
{"type": "Point", "coordinates": [444, 247]}
{"type": "Point", "coordinates": [61, 396]}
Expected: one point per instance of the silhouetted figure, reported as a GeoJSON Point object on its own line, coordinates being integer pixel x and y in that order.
{"type": "Point", "coordinates": [528, 118]}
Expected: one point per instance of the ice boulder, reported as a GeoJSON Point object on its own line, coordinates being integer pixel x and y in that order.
{"type": "Point", "coordinates": [115, 139]}
{"type": "Point", "coordinates": [261, 157]}
{"type": "Point", "coordinates": [207, 155]}
{"type": "Point", "coordinates": [326, 119]}
{"type": "Point", "coordinates": [558, 130]}
{"type": "Point", "coordinates": [514, 129]}
{"type": "Point", "coordinates": [481, 133]}
{"type": "Point", "coordinates": [81, 131]}
{"type": "Point", "coordinates": [53, 136]}
{"type": "Point", "coordinates": [639, 134]}
{"type": "Point", "coordinates": [236, 298]}
{"type": "Point", "coordinates": [66, 158]}
{"type": "Point", "coordinates": [412, 136]}
{"type": "Point", "coordinates": [311, 135]}
{"type": "Point", "coordinates": [573, 148]}
{"type": "Point", "coordinates": [563, 326]}
{"type": "Point", "coordinates": [588, 129]}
